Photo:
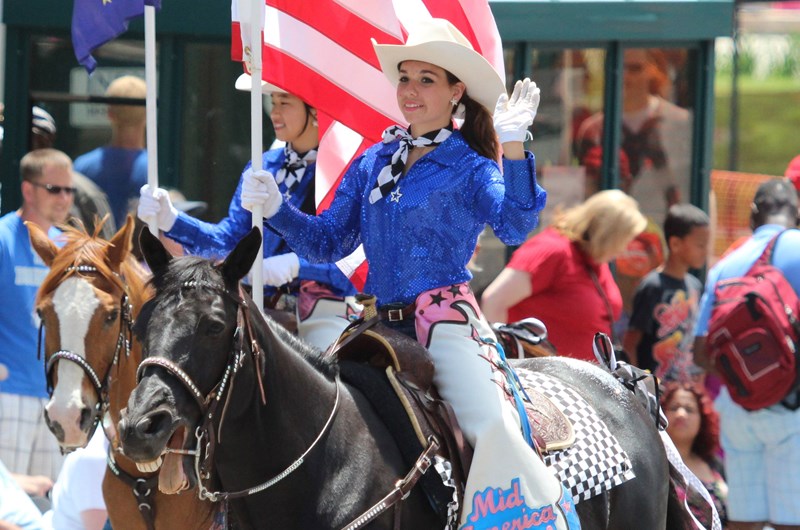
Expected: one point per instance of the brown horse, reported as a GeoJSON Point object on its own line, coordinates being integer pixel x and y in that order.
{"type": "Point", "coordinates": [94, 290]}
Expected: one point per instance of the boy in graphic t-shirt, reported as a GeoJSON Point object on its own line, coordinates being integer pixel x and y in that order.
{"type": "Point", "coordinates": [659, 336]}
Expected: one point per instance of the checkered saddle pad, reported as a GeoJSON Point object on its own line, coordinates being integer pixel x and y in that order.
{"type": "Point", "coordinates": [595, 462]}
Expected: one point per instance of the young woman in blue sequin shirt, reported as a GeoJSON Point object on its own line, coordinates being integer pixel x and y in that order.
{"type": "Point", "coordinates": [323, 294]}
{"type": "Point", "coordinates": [417, 202]}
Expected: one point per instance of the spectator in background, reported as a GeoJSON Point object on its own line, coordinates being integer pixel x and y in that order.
{"type": "Point", "coordinates": [793, 173]}
{"type": "Point", "coordinates": [659, 336]}
{"type": "Point", "coordinates": [89, 202]}
{"type": "Point", "coordinates": [17, 510]}
{"type": "Point", "coordinates": [120, 168]}
{"type": "Point", "coordinates": [561, 275]}
{"type": "Point", "coordinates": [694, 429]}
{"type": "Point", "coordinates": [78, 493]}
{"type": "Point", "coordinates": [761, 447]}
{"type": "Point", "coordinates": [27, 446]}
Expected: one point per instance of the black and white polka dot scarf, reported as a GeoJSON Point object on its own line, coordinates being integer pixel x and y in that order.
{"type": "Point", "coordinates": [391, 173]}
{"type": "Point", "coordinates": [294, 167]}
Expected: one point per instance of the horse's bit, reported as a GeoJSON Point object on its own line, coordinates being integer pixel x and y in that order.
{"type": "Point", "coordinates": [209, 404]}
{"type": "Point", "coordinates": [100, 385]}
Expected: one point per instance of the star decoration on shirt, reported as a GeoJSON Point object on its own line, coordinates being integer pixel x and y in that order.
{"type": "Point", "coordinates": [437, 298]}
{"type": "Point", "coordinates": [395, 195]}
{"type": "Point", "coordinates": [455, 290]}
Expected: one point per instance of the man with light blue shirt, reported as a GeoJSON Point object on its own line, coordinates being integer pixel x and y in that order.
{"type": "Point", "coordinates": [762, 447]}
{"type": "Point", "coordinates": [120, 168]}
{"type": "Point", "coordinates": [26, 445]}
{"type": "Point", "coordinates": [17, 510]}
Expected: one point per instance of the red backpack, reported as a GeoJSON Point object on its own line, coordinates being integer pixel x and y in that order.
{"type": "Point", "coordinates": [753, 335]}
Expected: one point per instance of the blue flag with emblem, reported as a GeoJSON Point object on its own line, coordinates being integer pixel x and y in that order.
{"type": "Point", "coordinates": [95, 22]}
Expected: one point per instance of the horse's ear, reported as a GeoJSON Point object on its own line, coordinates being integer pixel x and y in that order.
{"type": "Point", "coordinates": [121, 244]}
{"type": "Point", "coordinates": [156, 256]}
{"type": "Point", "coordinates": [240, 260]}
{"type": "Point", "coordinates": [42, 244]}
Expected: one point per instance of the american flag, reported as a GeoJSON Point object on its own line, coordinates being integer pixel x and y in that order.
{"type": "Point", "coordinates": [320, 51]}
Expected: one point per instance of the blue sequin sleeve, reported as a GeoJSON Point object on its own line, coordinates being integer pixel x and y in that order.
{"type": "Point", "coordinates": [328, 274]}
{"type": "Point", "coordinates": [333, 234]}
{"type": "Point", "coordinates": [213, 240]}
{"type": "Point", "coordinates": [510, 202]}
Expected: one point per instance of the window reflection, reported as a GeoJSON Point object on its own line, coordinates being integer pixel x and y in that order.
{"type": "Point", "coordinates": [656, 135]}
{"type": "Point", "coordinates": [572, 92]}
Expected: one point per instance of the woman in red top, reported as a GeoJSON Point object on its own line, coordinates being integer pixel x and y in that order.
{"type": "Point", "coordinates": [561, 275]}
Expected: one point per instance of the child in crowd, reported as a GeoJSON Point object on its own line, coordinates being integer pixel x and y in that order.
{"type": "Point", "coordinates": [659, 335]}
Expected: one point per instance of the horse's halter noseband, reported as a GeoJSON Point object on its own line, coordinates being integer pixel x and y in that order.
{"type": "Point", "coordinates": [210, 403]}
{"type": "Point", "coordinates": [123, 341]}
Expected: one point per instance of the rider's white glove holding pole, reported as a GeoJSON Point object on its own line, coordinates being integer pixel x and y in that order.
{"type": "Point", "coordinates": [156, 204]}
{"type": "Point", "coordinates": [513, 116]}
{"type": "Point", "coordinates": [260, 188]}
{"type": "Point", "coordinates": [282, 269]}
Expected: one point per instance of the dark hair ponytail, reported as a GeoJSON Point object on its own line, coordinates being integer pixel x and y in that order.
{"type": "Point", "coordinates": [478, 127]}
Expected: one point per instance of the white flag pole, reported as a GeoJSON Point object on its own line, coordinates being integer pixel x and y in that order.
{"type": "Point", "coordinates": [256, 141]}
{"type": "Point", "coordinates": [150, 80]}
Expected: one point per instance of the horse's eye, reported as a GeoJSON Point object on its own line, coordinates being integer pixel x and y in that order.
{"type": "Point", "coordinates": [215, 328]}
{"type": "Point", "coordinates": [112, 316]}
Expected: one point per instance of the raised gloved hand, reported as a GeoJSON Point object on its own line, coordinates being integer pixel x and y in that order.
{"type": "Point", "coordinates": [513, 116]}
{"type": "Point", "coordinates": [155, 203]}
{"type": "Point", "coordinates": [260, 188]}
{"type": "Point", "coordinates": [281, 269]}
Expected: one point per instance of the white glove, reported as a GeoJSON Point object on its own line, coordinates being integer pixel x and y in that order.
{"type": "Point", "coordinates": [260, 188]}
{"type": "Point", "coordinates": [512, 117]}
{"type": "Point", "coordinates": [280, 270]}
{"type": "Point", "coordinates": [156, 204]}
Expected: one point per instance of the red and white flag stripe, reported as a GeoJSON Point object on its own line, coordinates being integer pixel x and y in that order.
{"type": "Point", "coordinates": [320, 50]}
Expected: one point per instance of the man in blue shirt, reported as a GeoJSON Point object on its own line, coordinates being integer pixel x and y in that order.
{"type": "Point", "coordinates": [761, 447]}
{"type": "Point", "coordinates": [120, 168]}
{"type": "Point", "coordinates": [26, 445]}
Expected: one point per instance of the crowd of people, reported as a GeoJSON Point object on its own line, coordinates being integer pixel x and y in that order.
{"type": "Point", "coordinates": [418, 202]}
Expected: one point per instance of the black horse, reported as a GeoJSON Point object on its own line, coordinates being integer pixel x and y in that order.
{"type": "Point", "coordinates": [251, 412]}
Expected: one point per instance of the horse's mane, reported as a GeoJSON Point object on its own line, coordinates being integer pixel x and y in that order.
{"type": "Point", "coordinates": [81, 248]}
{"type": "Point", "coordinates": [202, 271]}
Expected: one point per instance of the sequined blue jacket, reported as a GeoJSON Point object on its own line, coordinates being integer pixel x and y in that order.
{"type": "Point", "coordinates": [216, 240]}
{"type": "Point", "coordinates": [422, 235]}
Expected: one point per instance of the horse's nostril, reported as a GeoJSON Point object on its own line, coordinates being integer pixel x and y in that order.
{"type": "Point", "coordinates": [86, 419]}
{"type": "Point", "coordinates": [54, 427]}
{"type": "Point", "coordinates": [153, 423]}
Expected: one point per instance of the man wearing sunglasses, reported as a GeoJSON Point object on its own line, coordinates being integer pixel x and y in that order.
{"type": "Point", "coordinates": [26, 446]}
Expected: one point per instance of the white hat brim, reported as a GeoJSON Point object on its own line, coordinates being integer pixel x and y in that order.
{"type": "Point", "coordinates": [244, 83]}
{"type": "Point", "coordinates": [483, 83]}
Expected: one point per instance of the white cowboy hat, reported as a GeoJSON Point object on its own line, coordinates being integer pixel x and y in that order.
{"type": "Point", "coordinates": [438, 42]}
{"type": "Point", "coordinates": [243, 83]}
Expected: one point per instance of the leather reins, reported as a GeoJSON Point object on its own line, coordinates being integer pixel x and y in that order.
{"type": "Point", "coordinates": [210, 403]}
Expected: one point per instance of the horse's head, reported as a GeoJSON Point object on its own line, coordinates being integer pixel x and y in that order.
{"type": "Point", "coordinates": [84, 309]}
{"type": "Point", "coordinates": [189, 332]}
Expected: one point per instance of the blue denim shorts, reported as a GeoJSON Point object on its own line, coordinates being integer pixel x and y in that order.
{"type": "Point", "coordinates": [762, 462]}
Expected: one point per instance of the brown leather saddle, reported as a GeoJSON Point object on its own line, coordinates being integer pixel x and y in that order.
{"type": "Point", "coordinates": [409, 370]}
{"type": "Point", "coordinates": [524, 339]}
